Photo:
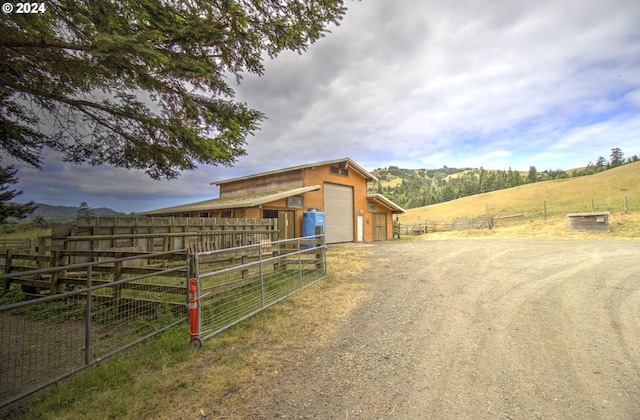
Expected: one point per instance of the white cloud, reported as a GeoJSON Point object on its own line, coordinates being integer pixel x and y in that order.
{"type": "Point", "coordinates": [426, 84]}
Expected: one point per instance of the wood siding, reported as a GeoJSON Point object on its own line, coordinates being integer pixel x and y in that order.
{"type": "Point", "coordinates": [320, 175]}
{"type": "Point", "coordinates": [274, 182]}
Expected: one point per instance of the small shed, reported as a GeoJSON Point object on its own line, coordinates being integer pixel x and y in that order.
{"type": "Point", "coordinates": [595, 221]}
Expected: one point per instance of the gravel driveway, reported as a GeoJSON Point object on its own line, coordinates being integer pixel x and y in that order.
{"type": "Point", "coordinates": [482, 328]}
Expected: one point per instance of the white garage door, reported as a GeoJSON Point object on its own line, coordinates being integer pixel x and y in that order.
{"type": "Point", "coordinates": [338, 209]}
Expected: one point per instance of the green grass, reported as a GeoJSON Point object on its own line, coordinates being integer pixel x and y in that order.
{"type": "Point", "coordinates": [27, 234]}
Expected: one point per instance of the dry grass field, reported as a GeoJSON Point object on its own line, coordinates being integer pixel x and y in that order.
{"type": "Point", "coordinates": [573, 195]}
{"type": "Point", "coordinates": [622, 225]}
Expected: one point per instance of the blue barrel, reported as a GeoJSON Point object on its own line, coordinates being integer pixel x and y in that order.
{"type": "Point", "coordinates": [311, 220]}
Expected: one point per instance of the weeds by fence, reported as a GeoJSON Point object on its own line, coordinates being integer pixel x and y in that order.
{"type": "Point", "coordinates": [269, 273]}
{"type": "Point", "coordinates": [46, 339]}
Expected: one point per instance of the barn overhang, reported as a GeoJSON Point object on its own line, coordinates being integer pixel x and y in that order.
{"type": "Point", "coordinates": [385, 202]}
{"type": "Point", "coordinates": [234, 202]}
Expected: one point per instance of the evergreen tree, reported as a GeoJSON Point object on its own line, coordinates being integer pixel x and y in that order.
{"type": "Point", "coordinates": [8, 209]}
{"type": "Point", "coordinates": [616, 158]}
{"type": "Point", "coordinates": [142, 84]}
{"type": "Point", "coordinates": [84, 210]}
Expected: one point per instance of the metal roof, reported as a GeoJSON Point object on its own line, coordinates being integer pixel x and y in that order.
{"type": "Point", "coordinates": [236, 201]}
{"type": "Point", "coordinates": [350, 164]}
{"type": "Point", "coordinates": [379, 198]}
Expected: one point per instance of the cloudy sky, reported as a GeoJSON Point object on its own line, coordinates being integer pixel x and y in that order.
{"type": "Point", "coordinates": [419, 84]}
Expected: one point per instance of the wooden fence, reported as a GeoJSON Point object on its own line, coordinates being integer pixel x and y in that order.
{"type": "Point", "coordinates": [13, 264]}
{"type": "Point", "coordinates": [21, 245]}
{"type": "Point", "coordinates": [96, 238]}
{"type": "Point", "coordinates": [161, 234]}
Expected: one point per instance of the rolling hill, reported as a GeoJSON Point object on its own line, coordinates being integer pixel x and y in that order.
{"type": "Point", "coordinates": [608, 190]}
{"type": "Point", "coordinates": [66, 213]}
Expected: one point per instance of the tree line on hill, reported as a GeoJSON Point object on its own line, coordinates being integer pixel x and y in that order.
{"type": "Point", "coordinates": [432, 186]}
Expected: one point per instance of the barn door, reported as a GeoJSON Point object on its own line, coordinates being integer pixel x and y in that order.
{"type": "Point", "coordinates": [338, 210]}
{"type": "Point", "coordinates": [379, 227]}
{"type": "Point", "coordinates": [286, 224]}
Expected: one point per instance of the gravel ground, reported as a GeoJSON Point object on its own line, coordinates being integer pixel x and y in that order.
{"type": "Point", "coordinates": [483, 328]}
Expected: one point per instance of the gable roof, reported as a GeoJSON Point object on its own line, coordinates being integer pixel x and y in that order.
{"type": "Point", "coordinates": [347, 161]}
{"type": "Point", "coordinates": [236, 201]}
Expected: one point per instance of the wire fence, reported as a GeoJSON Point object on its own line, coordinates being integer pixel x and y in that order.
{"type": "Point", "coordinates": [46, 339]}
{"type": "Point", "coordinates": [547, 209]}
{"type": "Point", "coordinates": [227, 293]}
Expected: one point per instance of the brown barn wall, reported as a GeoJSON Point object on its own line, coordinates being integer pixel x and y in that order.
{"type": "Point", "coordinates": [321, 175]}
{"type": "Point", "coordinates": [274, 182]}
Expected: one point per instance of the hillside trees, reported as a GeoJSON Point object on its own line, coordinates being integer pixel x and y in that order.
{"type": "Point", "coordinates": [142, 84]}
{"type": "Point", "coordinates": [431, 186]}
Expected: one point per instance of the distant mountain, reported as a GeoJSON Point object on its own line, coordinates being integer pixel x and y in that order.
{"type": "Point", "coordinates": [61, 213]}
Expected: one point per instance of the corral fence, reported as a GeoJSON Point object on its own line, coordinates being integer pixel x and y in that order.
{"type": "Point", "coordinates": [162, 234]}
{"type": "Point", "coordinates": [223, 294]}
{"type": "Point", "coordinates": [107, 306]}
{"type": "Point", "coordinates": [56, 320]}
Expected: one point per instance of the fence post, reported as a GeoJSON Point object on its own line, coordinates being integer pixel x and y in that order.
{"type": "Point", "coordinates": [625, 204]}
{"type": "Point", "coordinates": [8, 257]}
{"type": "Point", "coordinates": [117, 289]}
{"type": "Point", "coordinates": [261, 277]}
{"type": "Point", "coordinates": [195, 340]}
{"type": "Point", "coordinates": [300, 262]}
{"type": "Point", "coordinates": [55, 276]}
{"type": "Point", "coordinates": [243, 261]}
{"type": "Point", "coordinates": [87, 334]}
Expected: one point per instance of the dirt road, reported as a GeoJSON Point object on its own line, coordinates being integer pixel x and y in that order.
{"type": "Point", "coordinates": [479, 328]}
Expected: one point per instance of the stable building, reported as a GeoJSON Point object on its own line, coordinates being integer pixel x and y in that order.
{"type": "Point", "coordinates": [336, 187]}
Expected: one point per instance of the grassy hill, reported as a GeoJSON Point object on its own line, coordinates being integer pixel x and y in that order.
{"type": "Point", "coordinates": [572, 195]}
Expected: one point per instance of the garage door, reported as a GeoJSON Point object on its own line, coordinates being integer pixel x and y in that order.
{"type": "Point", "coordinates": [338, 209]}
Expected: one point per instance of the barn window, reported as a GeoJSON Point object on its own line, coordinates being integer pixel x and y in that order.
{"type": "Point", "coordinates": [294, 202]}
{"type": "Point", "coordinates": [204, 214]}
{"type": "Point", "coordinates": [338, 171]}
{"type": "Point", "coordinates": [226, 214]}
{"type": "Point", "coordinates": [371, 206]}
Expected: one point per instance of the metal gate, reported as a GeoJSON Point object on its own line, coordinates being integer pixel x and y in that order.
{"type": "Point", "coordinates": [234, 284]}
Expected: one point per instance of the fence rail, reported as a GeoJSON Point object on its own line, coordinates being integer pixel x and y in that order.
{"type": "Point", "coordinates": [108, 307]}
{"type": "Point", "coordinates": [227, 294]}
{"type": "Point", "coordinates": [21, 245]}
